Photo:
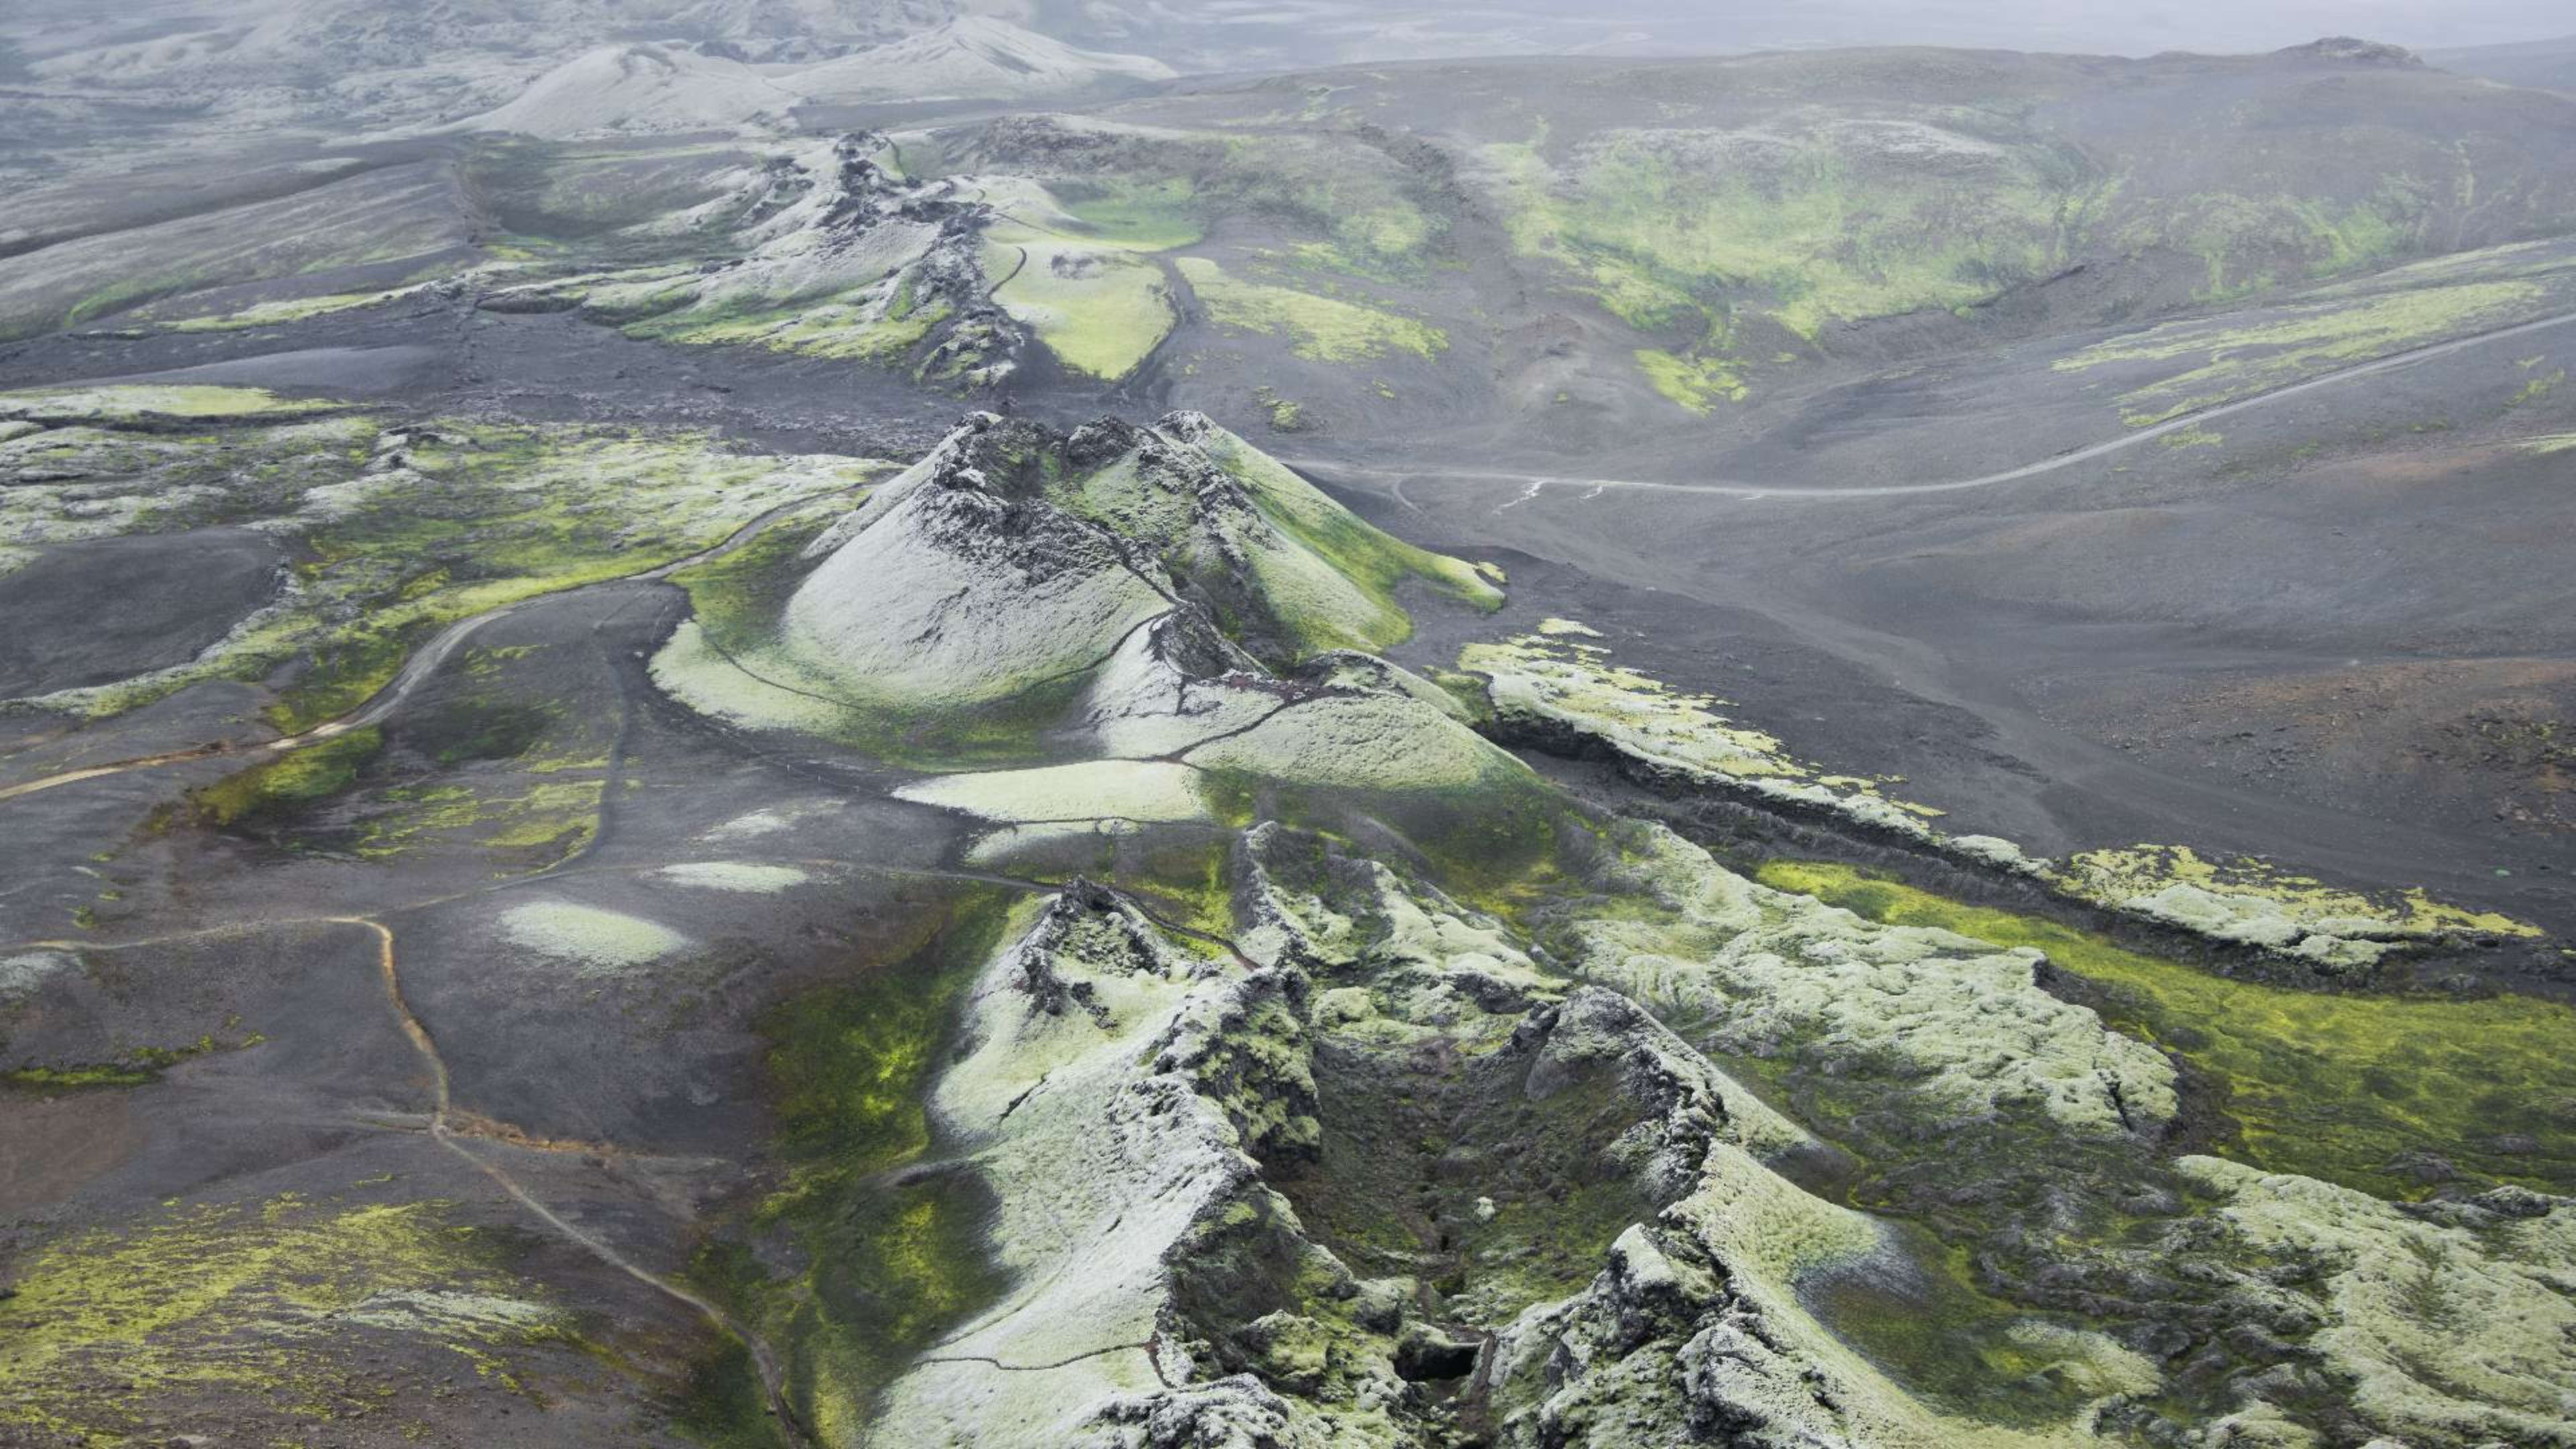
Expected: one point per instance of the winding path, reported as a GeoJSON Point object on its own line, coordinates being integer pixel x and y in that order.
{"type": "Point", "coordinates": [415, 671]}
{"type": "Point", "coordinates": [444, 644]}
{"type": "Point", "coordinates": [1534, 482]}
{"type": "Point", "coordinates": [450, 1126]}
{"type": "Point", "coordinates": [773, 1379]}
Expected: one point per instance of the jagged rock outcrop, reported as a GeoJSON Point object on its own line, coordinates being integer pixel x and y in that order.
{"type": "Point", "coordinates": [965, 591]}
{"type": "Point", "coordinates": [1289, 1145]}
{"type": "Point", "coordinates": [1557, 691]}
{"type": "Point", "coordinates": [1189, 1127]}
{"type": "Point", "coordinates": [1160, 607]}
{"type": "Point", "coordinates": [1107, 1136]}
{"type": "Point", "coordinates": [1975, 1030]}
{"type": "Point", "coordinates": [830, 253]}
{"type": "Point", "coordinates": [2352, 50]}
{"type": "Point", "coordinates": [1010, 555]}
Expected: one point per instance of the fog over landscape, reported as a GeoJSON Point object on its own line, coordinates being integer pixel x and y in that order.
{"type": "Point", "coordinates": [1281, 724]}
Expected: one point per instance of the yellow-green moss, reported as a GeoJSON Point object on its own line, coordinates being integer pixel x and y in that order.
{"type": "Point", "coordinates": [132, 1067]}
{"type": "Point", "coordinates": [552, 818]}
{"type": "Point", "coordinates": [1097, 309]}
{"type": "Point", "coordinates": [294, 309]}
{"type": "Point", "coordinates": [2333, 1086]}
{"type": "Point", "coordinates": [268, 791]}
{"type": "Point", "coordinates": [888, 1265]}
{"type": "Point", "coordinates": [1325, 329]}
{"type": "Point", "coordinates": [1697, 383]}
{"type": "Point", "coordinates": [215, 1301]}
{"type": "Point", "coordinates": [2239, 361]}
{"type": "Point", "coordinates": [125, 401]}
{"type": "Point", "coordinates": [1686, 228]}
{"type": "Point", "coordinates": [2247, 899]}
{"type": "Point", "coordinates": [1145, 215]}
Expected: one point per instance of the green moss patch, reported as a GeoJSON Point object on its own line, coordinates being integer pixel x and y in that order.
{"type": "Point", "coordinates": [471, 770]}
{"type": "Point", "coordinates": [2214, 362]}
{"type": "Point", "coordinates": [1926, 1323]}
{"type": "Point", "coordinates": [1366, 555]}
{"type": "Point", "coordinates": [451, 520]}
{"type": "Point", "coordinates": [1160, 189]}
{"type": "Point", "coordinates": [1324, 329]}
{"type": "Point", "coordinates": [461, 731]}
{"type": "Point", "coordinates": [1697, 383]}
{"type": "Point", "coordinates": [887, 1264]}
{"type": "Point", "coordinates": [2352, 1089]}
{"type": "Point", "coordinates": [1099, 310]}
{"type": "Point", "coordinates": [724, 1404]}
{"type": "Point", "coordinates": [274, 791]}
{"type": "Point", "coordinates": [252, 1305]}
{"type": "Point", "coordinates": [295, 309]}
{"type": "Point", "coordinates": [1146, 215]}
{"type": "Point", "coordinates": [2252, 242]}
{"type": "Point", "coordinates": [128, 402]}
{"type": "Point", "coordinates": [871, 324]}
{"type": "Point", "coordinates": [738, 598]}
{"type": "Point", "coordinates": [1701, 234]}
{"type": "Point", "coordinates": [131, 1068]}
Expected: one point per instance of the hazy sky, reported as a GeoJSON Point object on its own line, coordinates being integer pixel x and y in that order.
{"type": "Point", "coordinates": [1226, 34]}
{"type": "Point", "coordinates": [2120, 26]}
{"type": "Point", "coordinates": [1222, 34]}
{"type": "Point", "coordinates": [2261, 24]}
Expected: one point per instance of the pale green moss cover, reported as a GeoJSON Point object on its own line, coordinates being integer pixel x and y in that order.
{"type": "Point", "coordinates": [1326, 329]}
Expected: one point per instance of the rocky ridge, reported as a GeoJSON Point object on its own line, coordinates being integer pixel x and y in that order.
{"type": "Point", "coordinates": [1558, 692]}
{"type": "Point", "coordinates": [1162, 1117]}
{"type": "Point", "coordinates": [832, 255]}
{"type": "Point", "coordinates": [1344, 1159]}
{"type": "Point", "coordinates": [1311, 1069]}
{"type": "Point", "coordinates": [536, 67]}
{"type": "Point", "coordinates": [1150, 605]}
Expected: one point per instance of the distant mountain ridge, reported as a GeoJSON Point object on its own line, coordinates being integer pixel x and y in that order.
{"type": "Point", "coordinates": [646, 88]}
{"type": "Point", "coordinates": [974, 56]}
{"type": "Point", "coordinates": [639, 88]}
{"type": "Point", "coordinates": [384, 66]}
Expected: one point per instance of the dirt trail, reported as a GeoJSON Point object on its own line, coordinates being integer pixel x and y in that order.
{"type": "Point", "coordinates": [773, 1378]}
{"type": "Point", "coordinates": [451, 1126]}
{"type": "Point", "coordinates": [415, 671]}
{"type": "Point", "coordinates": [1534, 482]}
